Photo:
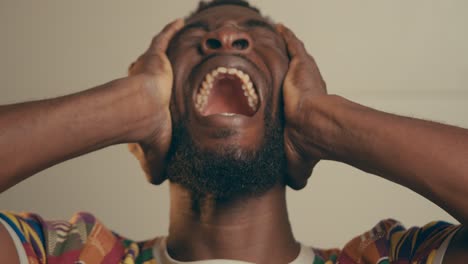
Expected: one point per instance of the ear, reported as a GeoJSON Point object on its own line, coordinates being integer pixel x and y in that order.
{"type": "Point", "coordinates": [299, 170]}
{"type": "Point", "coordinates": [142, 154]}
{"type": "Point", "coordinates": [148, 163]}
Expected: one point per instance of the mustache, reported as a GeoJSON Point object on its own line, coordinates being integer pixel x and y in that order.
{"type": "Point", "coordinates": [245, 173]}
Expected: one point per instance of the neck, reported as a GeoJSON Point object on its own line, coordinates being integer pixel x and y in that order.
{"type": "Point", "coordinates": [254, 229]}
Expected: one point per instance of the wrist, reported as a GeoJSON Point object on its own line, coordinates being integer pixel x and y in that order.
{"type": "Point", "coordinates": [115, 110]}
{"type": "Point", "coordinates": [325, 125]}
{"type": "Point", "coordinates": [144, 112]}
{"type": "Point", "coordinates": [132, 109]}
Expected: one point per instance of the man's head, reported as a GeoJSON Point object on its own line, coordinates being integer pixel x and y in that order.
{"type": "Point", "coordinates": [229, 63]}
{"type": "Point", "coordinates": [202, 5]}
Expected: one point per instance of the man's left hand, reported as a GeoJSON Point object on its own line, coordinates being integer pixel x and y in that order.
{"type": "Point", "coordinates": [303, 82]}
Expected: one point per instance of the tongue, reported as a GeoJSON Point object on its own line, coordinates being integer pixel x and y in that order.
{"type": "Point", "coordinates": [227, 96]}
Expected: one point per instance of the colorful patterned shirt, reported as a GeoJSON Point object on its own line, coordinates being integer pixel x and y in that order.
{"type": "Point", "coordinates": [85, 240]}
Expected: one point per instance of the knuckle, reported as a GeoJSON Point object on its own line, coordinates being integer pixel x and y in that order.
{"type": "Point", "coordinates": [155, 40]}
{"type": "Point", "coordinates": [161, 39]}
{"type": "Point", "coordinates": [324, 85]}
{"type": "Point", "coordinates": [167, 28]}
{"type": "Point", "coordinates": [131, 68]}
{"type": "Point", "coordinates": [300, 43]}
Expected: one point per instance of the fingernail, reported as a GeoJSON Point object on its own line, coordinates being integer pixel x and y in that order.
{"type": "Point", "coordinates": [280, 27]}
{"type": "Point", "coordinates": [180, 21]}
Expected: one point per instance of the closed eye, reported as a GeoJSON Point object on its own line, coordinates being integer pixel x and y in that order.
{"type": "Point", "coordinates": [255, 23]}
{"type": "Point", "coordinates": [199, 25]}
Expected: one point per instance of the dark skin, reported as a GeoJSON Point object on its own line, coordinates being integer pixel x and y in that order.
{"type": "Point", "coordinates": [426, 157]}
{"type": "Point", "coordinates": [265, 60]}
{"type": "Point", "coordinates": [228, 230]}
{"type": "Point", "coordinates": [306, 139]}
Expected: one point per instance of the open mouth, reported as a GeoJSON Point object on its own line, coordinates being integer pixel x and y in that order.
{"type": "Point", "coordinates": [228, 92]}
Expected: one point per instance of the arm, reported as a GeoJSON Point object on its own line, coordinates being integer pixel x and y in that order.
{"type": "Point", "coordinates": [427, 157]}
{"type": "Point", "coordinates": [37, 135]}
{"type": "Point", "coordinates": [8, 254]}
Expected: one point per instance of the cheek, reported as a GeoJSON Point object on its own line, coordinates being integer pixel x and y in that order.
{"type": "Point", "coordinates": [182, 87]}
{"type": "Point", "coordinates": [279, 72]}
{"type": "Point", "coordinates": [183, 55]}
{"type": "Point", "coordinates": [177, 106]}
{"type": "Point", "coordinates": [281, 66]}
{"type": "Point", "coordinates": [281, 63]}
{"type": "Point", "coordinates": [275, 61]}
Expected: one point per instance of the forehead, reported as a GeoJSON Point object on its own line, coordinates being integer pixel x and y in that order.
{"type": "Point", "coordinates": [221, 13]}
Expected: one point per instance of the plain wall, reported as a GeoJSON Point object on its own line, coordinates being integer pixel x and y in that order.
{"type": "Point", "coordinates": [405, 57]}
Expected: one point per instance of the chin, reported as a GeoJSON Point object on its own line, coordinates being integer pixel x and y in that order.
{"type": "Point", "coordinates": [235, 167]}
{"type": "Point", "coordinates": [218, 140]}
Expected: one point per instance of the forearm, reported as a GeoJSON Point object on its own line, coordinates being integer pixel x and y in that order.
{"type": "Point", "coordinates": [37, 135]}
{"type": "Point", "coordinates": [428, 157]}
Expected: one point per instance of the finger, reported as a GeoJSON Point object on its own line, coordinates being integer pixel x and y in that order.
{"type": "Point", "coordinates": [294, 45]}
{"type": "Point", "coordinates": [161, 41]}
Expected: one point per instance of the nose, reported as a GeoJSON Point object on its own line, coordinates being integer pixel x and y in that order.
{"type": "Point", "coordinates": [226, 39]}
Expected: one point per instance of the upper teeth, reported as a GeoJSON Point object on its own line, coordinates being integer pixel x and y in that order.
{"type": "Point", "coordinates": [202, 97]}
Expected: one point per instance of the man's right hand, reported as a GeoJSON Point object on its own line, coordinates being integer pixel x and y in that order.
{"type": "Point", "coordinates": [303, 83]}
{"type": "Point", "coordinates": [37, 135]}
{"type": "Point", "coordinates": [155, 75]}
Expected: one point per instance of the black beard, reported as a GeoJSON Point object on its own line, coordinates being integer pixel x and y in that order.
{"type": "Point", "coordinates": [230, 172]}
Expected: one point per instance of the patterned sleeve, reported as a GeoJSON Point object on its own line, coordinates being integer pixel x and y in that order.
{"type": "Point", "coordinates": [82, 238]}
{"type": "Point", "coordinates": [421, 244]}
{"type": "Point", "coordinates": [390, 242]}
{"type": "Point", "coordinates": [28, 229]}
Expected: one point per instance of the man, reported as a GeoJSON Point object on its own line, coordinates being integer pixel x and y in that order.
{"type": "Point", "coordinates": [231, 109]}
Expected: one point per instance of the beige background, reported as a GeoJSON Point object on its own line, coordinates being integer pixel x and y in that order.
{"type": "Point", "coordinates": [407, 57]}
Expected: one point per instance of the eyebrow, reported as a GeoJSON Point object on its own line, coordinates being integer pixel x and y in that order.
{"type": "Point", "coordinates": [249, 24]}
{"type": "Point", "coordinates": [259, 23]}
{"type": "Point", "coordinates": [195, 25]}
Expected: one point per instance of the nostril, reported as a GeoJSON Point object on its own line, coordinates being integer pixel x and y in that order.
{"type": "Point", "coordinates": [213, 44]}
{"type": "Point", "coordinates": [240, 44]}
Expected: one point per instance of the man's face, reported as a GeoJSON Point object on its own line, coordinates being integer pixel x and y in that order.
{"type": "Point", "coordinates": [229, 63]}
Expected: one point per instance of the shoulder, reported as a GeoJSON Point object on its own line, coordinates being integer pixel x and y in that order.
{"type": "Point", "coordinates": [83, 237]}
{"type": "Point", "coordinates": [390, 242]}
